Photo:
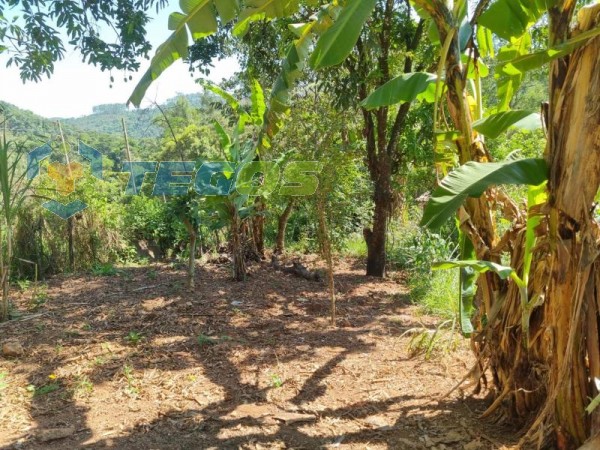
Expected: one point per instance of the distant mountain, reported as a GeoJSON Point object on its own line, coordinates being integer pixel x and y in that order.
{"type": "Point", "coordinates": [105, 120]}
{"type": "Point", "coordinates": [22, 122]}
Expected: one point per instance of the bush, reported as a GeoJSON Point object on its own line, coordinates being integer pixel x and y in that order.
{"type": "Point", "coordinates": [414, 250]}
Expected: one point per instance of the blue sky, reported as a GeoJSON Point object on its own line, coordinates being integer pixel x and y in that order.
{"type": "Point", "coordinates": [75, 87]}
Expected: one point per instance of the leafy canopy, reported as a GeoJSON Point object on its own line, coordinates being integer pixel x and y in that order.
{"type": "Point", "coordinates": [33, 33]}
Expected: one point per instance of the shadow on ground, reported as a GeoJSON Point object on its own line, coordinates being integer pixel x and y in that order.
{"type": "Point", "coordinates": [136, 361]}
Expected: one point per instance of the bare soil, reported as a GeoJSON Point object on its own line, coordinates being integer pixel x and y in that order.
{"type": "Point", "coordinates": [137, 361]}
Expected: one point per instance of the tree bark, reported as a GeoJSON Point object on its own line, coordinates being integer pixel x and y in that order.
{"type": "Point", "coordinates": [258, 227]}
{"type": "Point", "coordinates": [547, 369]}
{"type": "Point", "coordinates": [192, 256]}
{"type": "Point", "coordinates": [573, 296]}
{"type": "Point", "coordinates": [237, 249]}
{"type": "Point", "coordinates": [376, 238]}
{"type": "Point", "coordinates": [282, 226]}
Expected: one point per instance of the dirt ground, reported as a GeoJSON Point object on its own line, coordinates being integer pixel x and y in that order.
{"type": "Point", "coordinates": [136, 361]}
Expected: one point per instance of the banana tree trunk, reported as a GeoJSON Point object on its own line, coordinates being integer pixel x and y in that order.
{"type": "Point", "coordinates": [573, 294]}
{"type": "Point", "coordinates": [237, 248]}
{"type": "Point", "coordinates": [548, 372]}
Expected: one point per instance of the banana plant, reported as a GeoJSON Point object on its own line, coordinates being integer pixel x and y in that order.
{"type": "Point", "coordinates": [201, 18]}
{"type": "Point", "coordinates": [471, 180]}
{"type": "Point", "coordinates": [232, 190]}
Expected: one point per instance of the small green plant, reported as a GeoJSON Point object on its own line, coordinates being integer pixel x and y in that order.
{"type": "Point", "coordinates": [104, 270]}
{"type": "Point", "coordinates": [276, 381]}
{"type": "Point", "coordinates": [131, 388]}
{"type": "Point", "coordinates": [43, 390]}
{"type": "Point", "coordinates": [40, 296]}
{"type": "Point", "coordinates": [99, 360]}
{"type": "Point", "coordinates": [134, 337]}
{"type": "Point", "coordinates": [425, 341]}
{"type": "Point", "coordinates": [436, 293]}
{"type": "Point", "coordinates": [204, 340]}
{"type": "Point", "coordinates": [152, 274]}
{"type": "Point", "coordinates": [83, 386]}
{"type": "Point", "coordinates": [23, 285]}
{"type": "Point", "coordinates": [86, 327]}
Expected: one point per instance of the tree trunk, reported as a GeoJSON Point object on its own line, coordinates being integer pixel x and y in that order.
{"type": "Point", "coordinates": [376, 237]}
{"type": "Point", "coordinates": [326, 251]}
{"type": "Point", "coordinates": [282, 226]}
{"type": "Point", "coordinates": [258, 227]}
{"type": "Point", "coordinates": [237, 249]}
{"type": "Point", "coordinates": [192, 256]}
{"type": "Point", "coordinates": [71, 249]}
{"type": "Point", "coordinates": [573, 295]}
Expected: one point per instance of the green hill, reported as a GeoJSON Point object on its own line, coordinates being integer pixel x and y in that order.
{"type": "Point", "coordinates": [106, 119]}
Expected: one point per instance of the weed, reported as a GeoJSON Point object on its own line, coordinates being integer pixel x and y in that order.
{"type": "Point", "coordinates": [23, 285]}
{"type": "Point", "coordinates": [276, 381]}
{"type": "Point", "coordinates": [206, 340]}
{"type": "Point", "coordinates": [426, 342]}
{"type": "Point", "coordinates": [152, 274]}
{"type": "Point", "coordinates": [437, 293]}
{"type": "Point", "coordinates": [355, 246]}
{"type": "Point", "coordinates": [43, 390]}
{"type": "Point", "coordinates": [86, 327]}
{"type": "Point", "coordinates": [104, 270]}
{"type": "Point", "coordinates": [40, 296]}
{"type": "Point", "coordinates": [83, 387]}
{"type": "Point", "coordinates": [99, 361]}
{"type": "Point", "coordinates": [132, 388]}
{"type": "Point", "coordinates": [134, 337]}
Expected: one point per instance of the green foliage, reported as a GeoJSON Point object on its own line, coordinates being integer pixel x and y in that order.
{"type": "Point", "coordinates": [38, 34]}
{"type": "Point", "coordinates": [405, 88]}
{"type": "Point", "coordinates": [199, 18]}
{"type": "Point", "coordinates": [435, 294]}
{"type": "Point", "coordinates": [204, 340]}
{"type": "Point", "coordinates": [493, 126]}
{"type": "Point", "coordinates": [43, 390]}
{"type": "Point", "coordinates": [503, 272]}
{"type": "Point", "coordinates": [511, 18]}
{"type": "Point", "coordinates": [104, 270]}
{"type": "Point", "coordinates": [338, 41]}
{"type": "Point", "coordinates": [134, 337]}
{"type": "Point", "coordinates": [472, 179]}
